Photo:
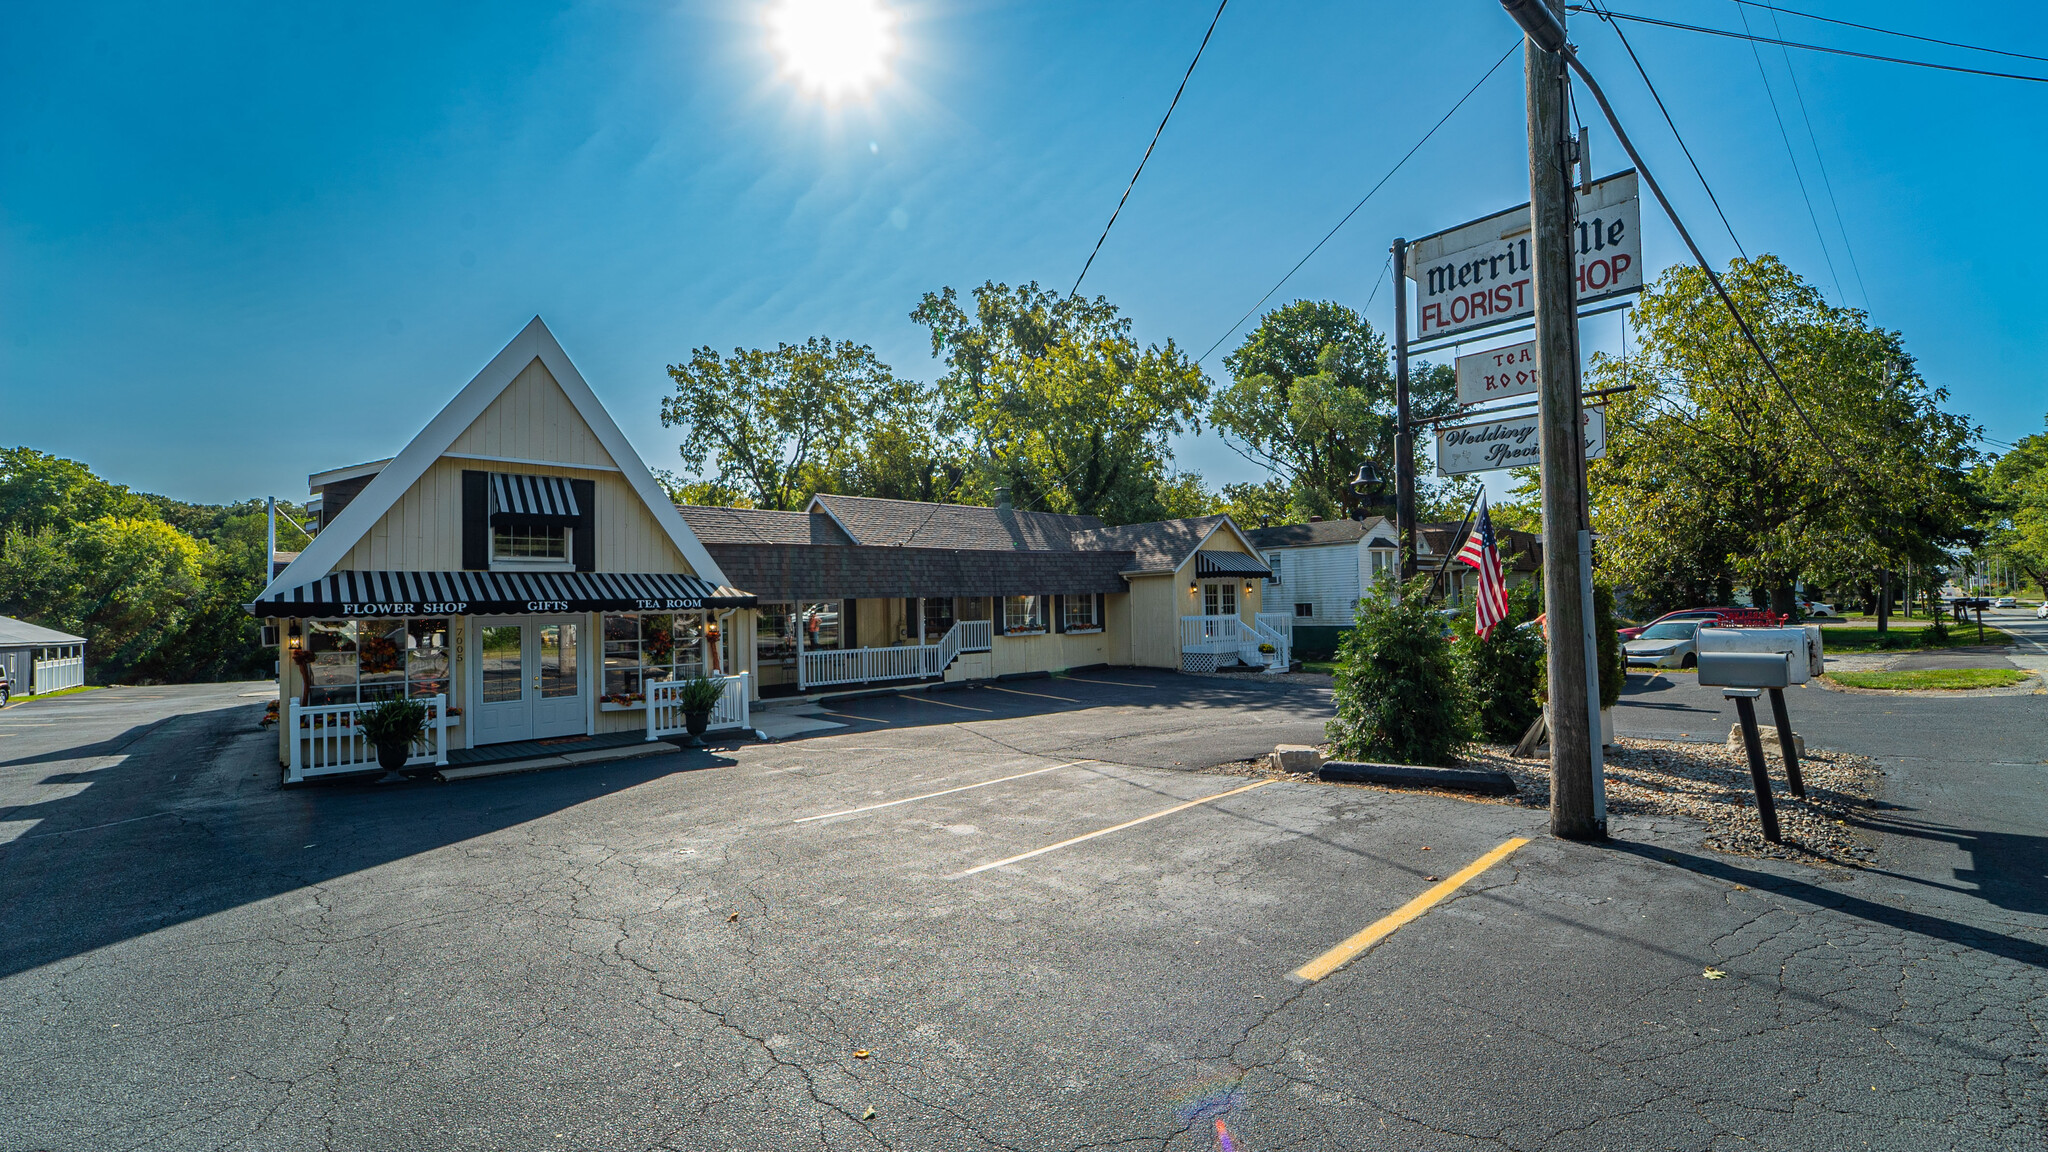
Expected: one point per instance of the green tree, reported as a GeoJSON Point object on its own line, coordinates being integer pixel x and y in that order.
{"type": "Point", "coordinates": [1505, 671]}
{"type": "Point", "coordinates": [767, 421]}
{"type": "Point", "coordinates": [2013, 489]}
{"type": "Point", "coordinates": [1053, 398]}
{"type": "Point", "coordinates": [1312, 397]}
{"type": "Point", "coordinates": [126, 584]}
{"type": "Point", "coordinates": [38, 490]}
{"type": "Point", "coordinates": [1398, 691]}
{"type": "Point", "coordinates": [1715, 481]}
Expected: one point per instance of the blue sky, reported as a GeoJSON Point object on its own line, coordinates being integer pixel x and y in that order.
{"type": "Point", "coordinates": [241, 243]}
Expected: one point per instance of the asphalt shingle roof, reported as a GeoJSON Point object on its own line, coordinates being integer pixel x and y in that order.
{"type": "Point", "coordinates": [716, 525]}
{"type": "Point", "coordinates": [916, 524]}
{"type": "Point", "coordinates": [1321, 532]}
{"type": "Point", "coordinates": [1159, 546]}
{"type": "Point", "coordinates": [790, 571]}
{"type": "Point", "coordinates": [14, 632]}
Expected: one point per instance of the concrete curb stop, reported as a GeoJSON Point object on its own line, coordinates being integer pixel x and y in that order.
{"type": "Point", "coordinates": [1483, 781]}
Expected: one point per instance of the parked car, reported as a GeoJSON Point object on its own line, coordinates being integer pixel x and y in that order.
{"type": "Point", "coordinates": [2005, 602]}
{"type": "Point", "coordinates": [6, 686]}
{"type": "Point", "coordinates": [1727, 616]}
{"type": "Point", "coordinates": [1816, 609]}
{"type": "Point", "coordinates": [2041, 613]}
{"type": "Point", "coordinates": [1667, 644]}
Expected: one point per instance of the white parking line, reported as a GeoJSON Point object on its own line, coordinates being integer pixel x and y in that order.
{"type": "Point", "coordinates": [1105, 831]}
{"type": "Point", "coordinates": [941, 703]}
{"type": "Point", "coordinates": [944, 792]}
{"type": "Point", "coordinates": [1040, 695]}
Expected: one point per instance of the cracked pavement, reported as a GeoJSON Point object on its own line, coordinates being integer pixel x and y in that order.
{"type": "Point", "coordinates": [651, 954]}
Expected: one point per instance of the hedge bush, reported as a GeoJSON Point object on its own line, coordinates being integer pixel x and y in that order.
{"type": "Point", "coordinates": [1504, 672]}
{"type": "Point", "coordinates": [1398, 691]}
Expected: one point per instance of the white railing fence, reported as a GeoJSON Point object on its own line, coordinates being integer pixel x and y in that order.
{"type": "Point", "coordinates": [325, 739]}
{"type": "Point", "coordinates": [1205, 641]}
{"type": "Point", "coordinates": [825, 667]}
{"type": "Point", "coordinates": [57, 675]}
{"type": "Point", "coordinates": [1281, 622]}
{"type": "Point", "coordinates": [665, 712]}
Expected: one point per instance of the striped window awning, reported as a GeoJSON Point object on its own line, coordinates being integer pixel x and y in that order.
{"type": "Point", "coordinates": [1230, 564]}
{"type": "Point", "coordinates": [532, 500]}
{"type": "Point", "coordinates": [356, 593]}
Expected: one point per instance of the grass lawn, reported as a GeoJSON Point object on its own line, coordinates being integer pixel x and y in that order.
{"type": "Point", "coordinates": [1325, 667]}
{"type": "Point", "coordinates": [1942, 678]}
{"type": "Point", "coordinates": [1854, 638]}
{"type": "Point", "coordinates": [58, 692]}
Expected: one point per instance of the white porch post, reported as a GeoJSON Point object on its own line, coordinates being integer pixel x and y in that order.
{"type": "Point", "coordinates": [796, 620]}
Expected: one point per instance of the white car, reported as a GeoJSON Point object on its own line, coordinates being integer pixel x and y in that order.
{"type": "Point", "coordinates": [2005, 602]}
{"type": "Point", "coordinates": [2041, 613]}
{"type": "Point", "coordinates": [1816, 608]}
{"type": "Point", "coordinates": [1670, 644]}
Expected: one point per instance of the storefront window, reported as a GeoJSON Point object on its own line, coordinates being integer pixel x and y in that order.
{"type": "Point", "coordinates": [364, 661]}
{"type": "Point", "coordinates": [639, 649]}
{"type": "Point", "coordinates": [1081, 615]}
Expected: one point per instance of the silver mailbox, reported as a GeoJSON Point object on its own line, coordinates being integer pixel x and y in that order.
{"type": "Point", "coordinates": [1754, 657]}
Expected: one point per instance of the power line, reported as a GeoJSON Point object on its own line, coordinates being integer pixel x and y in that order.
{"type": "Point", "coordinates": [1149, 147]}
{"type": "Point", "coordinates": [1816, 47]}
{"type": "Point", "coordinates": [1790, 155]}
{"type": "Point", "coordinates": [1825, 182]}
{"type": "Point", "coordinates": [1644, 73]}
{"type": "Point", "coordinates": [1902, 35]}
{"type": "Point", "coordinates": [1361, 203]}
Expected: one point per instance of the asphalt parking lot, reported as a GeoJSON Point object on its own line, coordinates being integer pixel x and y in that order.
{"type": "Point", "coordinates": [986, 919]}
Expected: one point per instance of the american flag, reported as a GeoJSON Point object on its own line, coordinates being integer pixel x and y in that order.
{"type": "Point", "coordinates": [1480, 551]}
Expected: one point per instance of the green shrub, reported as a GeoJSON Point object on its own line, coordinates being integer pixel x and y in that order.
{"type": "Point", "coordinates": [699, 694]}
{"type": "Point", "coordinates": [393, 722]}
{"type": "Point", "coordinates": [1935, 635]}
{"type": "Point", "coordinates": [1613, 662]}
{"type": "Point", "coordinates": [1504, 671]}
{"type": "Point", "coordinates": [1398, 693]}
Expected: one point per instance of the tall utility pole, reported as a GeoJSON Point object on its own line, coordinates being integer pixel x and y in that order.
{"type": "Point", "coordinates": [1404, 430]}
{"type": "Point", "coordinates": [1574, 807]}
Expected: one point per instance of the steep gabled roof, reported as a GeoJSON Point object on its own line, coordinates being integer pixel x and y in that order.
{"type": "Point", "coordinates": [534, 342]}
{"type": "Point", "coordinates": [917, 524]}
{"type": "Point", "coordinates": [717, 525]}
{"type": "Point", "coordinates": [1160, 545]}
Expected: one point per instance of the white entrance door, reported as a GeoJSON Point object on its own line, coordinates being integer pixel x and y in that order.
{"type": "Point", "coordinates": [1219, 598]}
{"type": "Point", "coordinates": [528, 682]}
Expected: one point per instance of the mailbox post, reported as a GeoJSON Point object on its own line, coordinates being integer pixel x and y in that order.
{"type": "Point", "coordinates": [1745, 663]}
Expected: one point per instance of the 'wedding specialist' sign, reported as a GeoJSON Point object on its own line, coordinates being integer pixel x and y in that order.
{"type": "Point", "coordinates": [1509, 443]}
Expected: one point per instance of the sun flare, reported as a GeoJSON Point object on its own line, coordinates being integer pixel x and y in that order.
{"type": "Point", "coordinates": [833, 47]}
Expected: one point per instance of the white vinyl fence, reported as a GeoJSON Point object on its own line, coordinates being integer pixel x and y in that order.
{"type": "Point", "coordinates": [59, 674]}
{"type": "Point", "coordinates": [326, 739]}
{"type": "Point", "coordinates": [665, 712]}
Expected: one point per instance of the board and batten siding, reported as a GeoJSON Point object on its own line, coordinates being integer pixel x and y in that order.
{"type": "Point", "coordinates": [532, 419]}
{"type": "Point", "coordinates": [1155, 603]}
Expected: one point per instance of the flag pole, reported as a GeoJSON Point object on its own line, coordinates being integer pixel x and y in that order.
{"type": "Point", "coordinates": [1457, 543]}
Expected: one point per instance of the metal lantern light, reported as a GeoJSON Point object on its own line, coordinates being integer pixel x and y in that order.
{"type": "Point", "coordinates": [294, 637]}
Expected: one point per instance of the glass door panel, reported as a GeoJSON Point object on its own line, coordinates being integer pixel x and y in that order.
{"type": "Point", "coordinates": [557, 660]}
{"type": "Point", "coordinates": [501, 647]}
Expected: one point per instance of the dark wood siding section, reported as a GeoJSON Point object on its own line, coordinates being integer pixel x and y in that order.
{"type": "Point", "coordinates": [476, 520]}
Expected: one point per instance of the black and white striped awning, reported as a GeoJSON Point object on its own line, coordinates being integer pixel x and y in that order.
{"type": "Point", "coordinates": [532, 500]}
{"type": "Point", "coordinates": [1229, 564]}
{"type": "Point", "coordinates": [349, 594]}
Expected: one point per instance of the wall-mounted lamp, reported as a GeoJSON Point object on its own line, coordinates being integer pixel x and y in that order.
{"type": "Point", "coordinates": [294, 637]}
{"type": "Point", "coordinates": [1247, 587]}
{"type": "Point", "coordinates": [1193, 587]}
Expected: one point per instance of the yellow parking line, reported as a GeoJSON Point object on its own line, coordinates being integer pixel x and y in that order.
{"type": "Point", "coordinates": [946, 792]}
{"type": "Point", "coordinates": [1040, 695]}
{"type": "Point", "coordinates": [1384, 927]}
{"type": "Point", "coordinates": [941, 703]}
{"type": "Point", "coordinates": [1106, 831]}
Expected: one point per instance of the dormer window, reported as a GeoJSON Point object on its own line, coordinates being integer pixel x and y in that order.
{"type": "Point", "coordinates": [534, 520]}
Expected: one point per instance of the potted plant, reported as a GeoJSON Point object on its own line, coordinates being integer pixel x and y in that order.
{"type": "Point", "coordinates": [697, 696]}
{"type": "Point", "coordinates": [392, 727]}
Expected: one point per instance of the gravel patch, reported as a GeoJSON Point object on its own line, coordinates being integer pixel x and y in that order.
{"type": "Point", "coordinates": [1700, 782]}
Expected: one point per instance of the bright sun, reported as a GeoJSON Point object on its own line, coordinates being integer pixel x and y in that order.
{"type": "Point", "coordinates": [833, 47]}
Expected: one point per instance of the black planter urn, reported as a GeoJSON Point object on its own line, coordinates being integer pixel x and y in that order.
{"type": "Point", "coordinates": [392, 755]}
{"type": "Point", "coordinates": [696, 722]}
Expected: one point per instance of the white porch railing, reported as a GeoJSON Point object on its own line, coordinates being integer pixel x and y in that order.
{"type": "Point", "coordinates": [1276, 629]}
{"type": "Point", "coordinates": [1206, 642]}
{"type": "Point", "coordinates": [57, 675]}
{"type": "Point", "coordinates": [665, 711]}
{"type": "Point", "coordinates": [825, 667]}
{"type": "Point", "coordinates": [326, 739]}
